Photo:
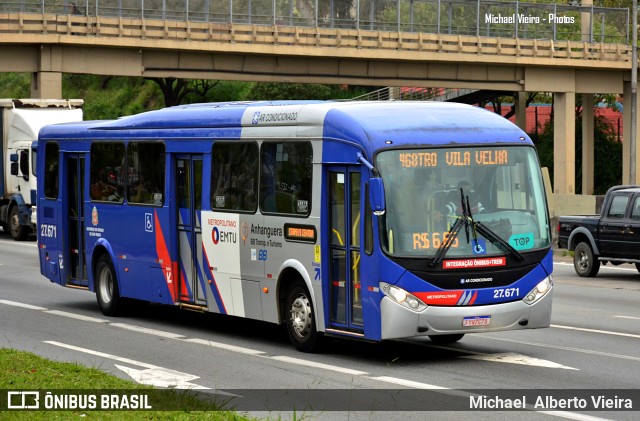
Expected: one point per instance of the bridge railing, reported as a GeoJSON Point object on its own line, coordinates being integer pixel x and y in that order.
{"type": "Point", "coordinates": [490, 18]}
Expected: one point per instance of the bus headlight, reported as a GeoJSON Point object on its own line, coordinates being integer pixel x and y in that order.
{"type": "Point", "coordinates": [539, 291]}
{"type": "Point", "coordinates": [402, 297]}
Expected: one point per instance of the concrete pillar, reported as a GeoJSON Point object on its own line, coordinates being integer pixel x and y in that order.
{"type": "Point", "coordinates": [521, 110]}
{"type": "Point", "coordinates": [564, 143]}
{"type": "Point", "coordinates": [626, 140]}
{"type": "Point", "coordinates": [46, 85]}
{"type": "Point", "coordinates": [588, 145]}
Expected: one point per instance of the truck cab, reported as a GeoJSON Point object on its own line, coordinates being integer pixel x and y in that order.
{"type": "Point", "coordinates": [21, 121]}
{"type": "Point", "coordinates": [611, 237]}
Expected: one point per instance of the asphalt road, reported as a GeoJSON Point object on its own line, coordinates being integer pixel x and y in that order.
{"type": "Point", "coordinates": [593, 344]}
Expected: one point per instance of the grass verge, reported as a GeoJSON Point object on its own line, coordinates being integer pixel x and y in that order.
{"type": "Point", "coordinates": [26, 371]}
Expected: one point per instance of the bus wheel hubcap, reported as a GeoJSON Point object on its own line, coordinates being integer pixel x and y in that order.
{"type": "Point", "coordinates": [301, 316]}
{"type": "Point", "coordinates": [106, 286]}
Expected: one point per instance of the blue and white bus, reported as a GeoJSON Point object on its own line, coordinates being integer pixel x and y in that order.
{"type": "Point", "coordinates": [370, 220]}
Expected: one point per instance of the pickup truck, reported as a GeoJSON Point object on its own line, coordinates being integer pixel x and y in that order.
{"type": "Point", "coordinates": [611, 237]}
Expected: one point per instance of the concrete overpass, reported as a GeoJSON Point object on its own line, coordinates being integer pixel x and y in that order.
{"type": "Point", "coordinates": [51, 44]}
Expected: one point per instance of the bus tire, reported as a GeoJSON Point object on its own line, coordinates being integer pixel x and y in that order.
{"type": "Point", "coordinates": [107, 291]}
{"type": "Point", "coordinates": [300, 319]}
{"type": "Point", "coordinates": [446, 339]}
{"type": "Point", "coordinates": [17, 231]}
{"type": "Point", "coordinates": [584, 261]}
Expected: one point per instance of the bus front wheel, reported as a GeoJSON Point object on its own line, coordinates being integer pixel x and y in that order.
{"type": "Point", "coordinates": [301, 323]}
{"type": "Point", "coordinates": [107, 291]}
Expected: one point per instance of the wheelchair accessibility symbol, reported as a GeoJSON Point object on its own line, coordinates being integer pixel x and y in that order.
{"type": "Point", "coordinates": [479, 246]}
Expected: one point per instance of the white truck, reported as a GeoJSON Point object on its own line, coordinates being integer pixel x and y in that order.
{"type": "Point", "coordinates": [21, 121]}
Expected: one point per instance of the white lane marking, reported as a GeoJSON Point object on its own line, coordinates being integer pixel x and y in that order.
{"type": "Point", "coordinates": [162, 377]}
{"type": "Point", "coordinates": [227, 347]}
{"type": "Point", "coordinates": [408, 383]}
{"type": "Point", "coordinates": [628, 317]}
{"type": "Point", "coordinates": [148, 331]}
{"type": "Point", "coordinates": [19, 243]}
{"type": "Point", "coordinates": [76, 316]}
{"type": "Point", "coordinates": [563, 348]}
{"type": "Point", "coordinates": [22, 305]}
{"type": "Point", "coordinates": [601, 267]}
{"type": "Point", "coordinates": [307, 363]}
{"type": "Point", "coordinates": [509, 357]}
{"type": "Point", "coordinates": [101, 354]}
{"type": "Point", "coordinates": [604, 332]}
{"type": "Point", "coordinates": [514, 358]}
{"type": "Point", "coordinates": [573, 416]}
{"type": "Point", "coordinates": [153, 375]}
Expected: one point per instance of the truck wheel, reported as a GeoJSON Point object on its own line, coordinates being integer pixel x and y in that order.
{"type": "Point", "coordinates": [17, 231]}
{"type": "Point", "coordinates": [107, 291]}
{"type": "Point", "coordinates": [446, 339]}
{"type": "Point", "coordinates": [584, 262]}
{"type": "Point", "coordinates": [301, 319]}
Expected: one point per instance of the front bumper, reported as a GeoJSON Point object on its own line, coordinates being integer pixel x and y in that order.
{"type": "Point", "coordinates": [400, 322]}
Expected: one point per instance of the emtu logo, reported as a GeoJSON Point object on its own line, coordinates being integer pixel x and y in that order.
{"type": "Point", "coordinates": [215, 235]}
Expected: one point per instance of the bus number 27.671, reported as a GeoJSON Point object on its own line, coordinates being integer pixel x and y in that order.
{"type": "Point", "coordinates": [47, 230]}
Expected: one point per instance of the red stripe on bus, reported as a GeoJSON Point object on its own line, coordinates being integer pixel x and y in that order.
{"type": "Point", "coordinates": [168, 267]}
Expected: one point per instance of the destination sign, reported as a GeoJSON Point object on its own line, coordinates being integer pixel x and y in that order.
{"type": "Point", "coordinates": [294, 232]}
{"type": "Point", "coordinates": [456, 158]}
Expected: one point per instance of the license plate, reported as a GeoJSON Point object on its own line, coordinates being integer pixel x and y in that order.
{"type": "Point", "coordinates": [476, 321]}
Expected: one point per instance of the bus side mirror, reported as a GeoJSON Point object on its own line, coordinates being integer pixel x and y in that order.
{"type": "Point", "coordinates": [376, 196]}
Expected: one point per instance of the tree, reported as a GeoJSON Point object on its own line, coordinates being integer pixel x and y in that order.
{"type": "Point", "coordinates": [175, 90]}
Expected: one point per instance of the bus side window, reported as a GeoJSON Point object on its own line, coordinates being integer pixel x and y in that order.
{"type": "Point", "coordinates": [234, 176]}
{"type": "Point", "coordinates": [51, 165]}
{"type": "Point", "coordinates": [107, 181]}
{"type": "Point", "coordinates": [285, 179]}
{"type": "Point", "coordinates": [146, 169]}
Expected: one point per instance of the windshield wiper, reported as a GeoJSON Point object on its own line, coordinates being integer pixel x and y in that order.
{"type": "Point", "coordinates": [453, 233]}
{"type": "Point", "coordinates": [497, 240]}
{"type": "Point", "coordinates": [467, 220]}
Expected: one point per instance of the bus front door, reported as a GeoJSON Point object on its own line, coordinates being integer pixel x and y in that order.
{"type": "Point", "coordinates": [75, 250]}
{"type": "Point", "coordinates": [189, 199]}
{"type": "Point", "coordinates": [344, 250]}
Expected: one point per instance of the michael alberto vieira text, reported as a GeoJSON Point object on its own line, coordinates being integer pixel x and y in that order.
{"type": "Point", "coordinates": [594, 402]}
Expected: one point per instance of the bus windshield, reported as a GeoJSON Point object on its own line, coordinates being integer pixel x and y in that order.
{"type": "Point", "coordinates": [427, 191]}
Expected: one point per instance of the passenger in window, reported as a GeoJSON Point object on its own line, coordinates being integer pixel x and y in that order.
{"type": "Point", "coordinates": [106, 188]}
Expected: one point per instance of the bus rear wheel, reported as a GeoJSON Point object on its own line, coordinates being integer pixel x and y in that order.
{"type": "Point", "coordinates": [446, 339]}
{"type": "Point", "coordinates": [300, 319]}
{"type": "Point", "coordinates": [107, 291]}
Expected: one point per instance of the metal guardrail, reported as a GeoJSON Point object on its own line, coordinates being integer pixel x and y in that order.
{"type": "Point", "coordinates": [482, 18]}
{"type": "Point", "coordinates": [134, 32]}
{"type": "Point", "coordinates": [391, 93]}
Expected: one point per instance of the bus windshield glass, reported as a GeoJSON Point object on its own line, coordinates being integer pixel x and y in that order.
{"type": "Point", "coordinates": [427, 191]}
